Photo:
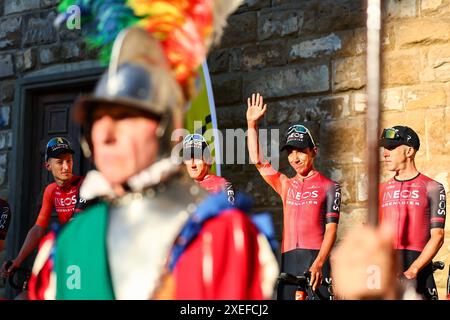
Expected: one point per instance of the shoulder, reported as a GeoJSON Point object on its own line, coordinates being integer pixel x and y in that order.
{"type": "Point", "coordinates": [431, 184]}
{"type": "Point", "coordinates": [327, 182]}
{"type": "Point", "coordinates": [50, 189]}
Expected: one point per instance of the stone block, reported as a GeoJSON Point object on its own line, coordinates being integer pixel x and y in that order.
{"type": "Point", "coordinates": [6, 65]}
{"type": "Point", "coordinates": [49, 55]}
{"type": "Point", "coordinates": [252, 5]}
{"type": "Point", "coordinates": [219, 61]}
{"type": "Point", "coordinates": [5, 140]}
{"type": "Point", "coordinates": [227, 88]}
{"type": "Point", "coordinates": [72, 50]}
{"type": "Point", "coordinates": [7, 91]}
{"type": "Point", "coordinates": [267, 54]}
{"type": "Point", "coordinates": [10, 32]}
{"type": "Point", "coordinates": [425, 96]}
{"type": "Point", "coordinates": [330, 16]}
{"type": "Point", "coordinates": [359, 100]}
{"type": "Point", "coordinates": [40, 29]}
{"type": "Point", "coordinates": [392, 99]}
{"type": "Point", "coordinates": [278, 23]}
{"type": "Point", "coordinates": [313, 48]}
{"type": "Point", "coordinates": [349, 73]}
{"type": "Point", "coordinates": [5, 117]}
{"type": "Point", "coordinates": [401, 67]}
{"type": "Point", "coordinates": [400, 8]}
{"type": "Point", "coordinates": [436, 64]}
{"type": "Point", "coordinates": [25, 60]}
{"type": "Point", "coordinates": [353, 42]}
{"type": "Point", "coordinates": [288, 81]}
{"type": "Point", "coordinates": [431, 31]}
{"type": "Point", "coordinates": [337, 143]}
{"type": "Point", "coordinates": [13, 6]}
{"type": "Point", "coordinates": [240, 29]}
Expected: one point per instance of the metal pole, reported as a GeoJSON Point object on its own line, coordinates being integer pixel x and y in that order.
{"type": "Point", "coordinates": [373, 105]}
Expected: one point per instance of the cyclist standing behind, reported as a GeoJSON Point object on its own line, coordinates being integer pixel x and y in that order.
{"type": "Point", "coordinates": [414, 205]}
{"type": "Point", "coordinates": [61, 195]}
{"type": "Point", "coordinates": [311, 203]}
{"type": "Point", "coordinates": [198, 160]}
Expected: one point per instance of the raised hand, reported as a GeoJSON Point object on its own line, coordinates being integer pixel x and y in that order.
{"type": "Point", "coordinates": [256, 108]}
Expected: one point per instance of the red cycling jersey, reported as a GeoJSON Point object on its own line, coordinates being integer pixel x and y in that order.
{"type": "Point", "coordinates": [308, 204]}
{"type": "Point", "coordinates": [413, 207]}
{"type": "Point", "coordinates": [65, 199]}
{"type": "Point", "coordinates": [213, 184]}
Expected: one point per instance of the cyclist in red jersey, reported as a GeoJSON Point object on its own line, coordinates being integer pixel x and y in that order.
{"type": "Point", "coordinates": [5, 218]}
{"type": "Point", "coordinates": [61, 195]}
{"type": "Point", "coordinates": [198, 160]}
{"type": "Point", "coordinates": [311, 203]}
{"type": "Point", "coordinates": [414, 205]}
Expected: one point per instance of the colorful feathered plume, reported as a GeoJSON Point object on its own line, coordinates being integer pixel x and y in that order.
{"type": "Point", "coordinates": [186, 28]}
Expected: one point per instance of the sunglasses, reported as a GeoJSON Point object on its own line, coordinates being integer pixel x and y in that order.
{"type": "Point", "coordinates": [391, 133]}
{"type": "Point", "coordinates": [57, 141]}
{"type": "Point", "coordinates": [298, 128]}
{"type": "Point", "coordinates": [195, 137]}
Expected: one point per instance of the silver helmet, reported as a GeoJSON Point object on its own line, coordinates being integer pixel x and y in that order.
{"type": "Point", "coordinates": [138, 77]}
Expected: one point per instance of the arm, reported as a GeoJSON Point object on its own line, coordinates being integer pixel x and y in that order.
{"type": "Point", "coordinates": [325, 249]}
{"type": "Point", "coordinates": [431, 248]}
{"type": "Point", "coordinates": [31, 242]}
{"type": "Point", "coordinates": [437, 204]}
{"type": "Point", "coordinates": [255, 111]}
{"type": "Point", "coordinates": [333, 207]}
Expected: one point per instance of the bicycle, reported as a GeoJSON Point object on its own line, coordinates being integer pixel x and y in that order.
{"type": "Point", "coordinates": [18, 280]}
{"type": "Point", "coordinates": [432, 293]}
{"type": "Point", "coordinates": [304, 289]}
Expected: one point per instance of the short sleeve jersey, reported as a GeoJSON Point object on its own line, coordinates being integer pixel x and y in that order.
{"type": "Point", "coordinates": [64, 199]}
{"type": "Point", "coordinates": [413, 207]}
{"type": "Point", "coordinates": [308, 205]}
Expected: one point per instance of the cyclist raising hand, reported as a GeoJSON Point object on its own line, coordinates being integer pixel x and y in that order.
{"type": "Point", "coordinates": [311, 203]}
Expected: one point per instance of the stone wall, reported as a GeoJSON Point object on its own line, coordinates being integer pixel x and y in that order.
{"type": "Point", "coordinates": [307, 58]}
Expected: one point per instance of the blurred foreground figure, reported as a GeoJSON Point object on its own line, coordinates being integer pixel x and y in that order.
{"type": "Point", "coordinates": [150, 232]}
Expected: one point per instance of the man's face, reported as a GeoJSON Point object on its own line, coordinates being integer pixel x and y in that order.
{"type": "Point", "coordinates": [197, 168]}
{"type": "Point", "coordinates": [124, 142]}
{"type": "Point", "coordinates": [395, 158]}
{"type": "Point", "coordinates": [61, 167]}
{"type": "Point", "coordinates": [301, 159]}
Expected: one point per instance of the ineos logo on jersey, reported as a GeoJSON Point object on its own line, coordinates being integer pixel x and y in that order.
{"type": "Point", "coordinates": [3, 219]}
{"type": "Point", "coordinates": [441, 205]}
{"type": "Point", "coordinates": [63, 202]}
{"type": "Point", "coordinates": [337, 200]}
{"type": "Point", "coordinates": [304, 195]}
{"type": "Point", "coordinates": [404, 194]}
{"type": "Point", "coordinates": [5, 210]}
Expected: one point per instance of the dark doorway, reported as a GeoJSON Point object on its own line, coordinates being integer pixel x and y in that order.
{"type": "Point", "coordinates": [42, 110]}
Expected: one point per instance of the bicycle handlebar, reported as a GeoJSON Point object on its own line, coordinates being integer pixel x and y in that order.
{"type": "Point", "coordinates": [11, 278]}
